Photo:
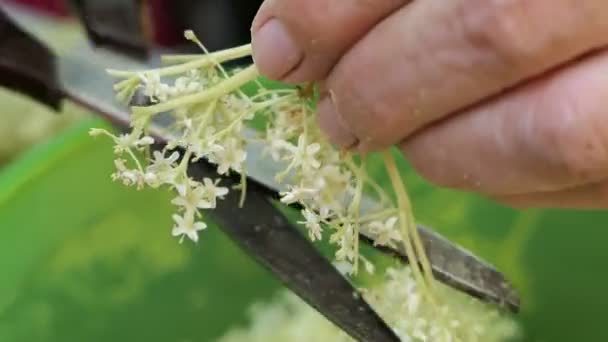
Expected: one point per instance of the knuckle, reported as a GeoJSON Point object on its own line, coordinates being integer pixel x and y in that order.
{"type": "Point", "coordinates": [506, 32]}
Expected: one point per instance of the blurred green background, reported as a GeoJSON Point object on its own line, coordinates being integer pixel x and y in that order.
{"type": "Point", "coordinates": [85, 259]}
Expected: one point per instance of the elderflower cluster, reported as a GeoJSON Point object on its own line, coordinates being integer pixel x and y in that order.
{"type": "Point", "coordinates": [210, 130]}
{"type": "Point", "coordinates": [329, 186]}
{"type": "Point", "coordinates": [398, 301]}
{"type": "Point", "coordinates": [202, 111]}
{"type": "Point", "coordinates": [208, 112]}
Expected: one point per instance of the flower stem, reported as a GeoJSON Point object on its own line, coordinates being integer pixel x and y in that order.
{"type": "Point", "coordinates": [355, 209]}
{"type": "Point", "coordinates": [409, 231]}
{"type": "Point", "coordinates": [243, 188]}
{"type": "Point", "coordinates": [229, 54]}
{"type": "Point", "coordinates": [380, 215]}
{"type": "Point", "coordinates": [223, 88]}
{"type": "Point", "coordinates": [202, 62]}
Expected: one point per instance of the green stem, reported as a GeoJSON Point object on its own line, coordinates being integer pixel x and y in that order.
{"type": "Point", "coordinates": [128, 83]}
{"type": "Point", "coordinates": [217, 62]}
{"type": "Point", "coordinates": [234, 53]}
{"type": "Point", "coordinates": [273, 92]}
{"type": "Point", "coordinates": [223, 88]}
{"type": "Point", "coordinates": [257, 106]}
{"type": "Point", "coordinates": [206, 117]}
{"type": "Point", "coordinates": [380, 215]}
{"type": "Point", "coordinates": [355, 209]}
{"type": "Point", "coordinates": [243, 188]}
{"type": "Point", "coordinates": [405, 222]}
{"type": "Point", "coordinates": [228, 128]}
{"type": "Point", "coordinates": [202, 62]}
{"type": "Point", "coordinates": [135, 159]}
{"type": "Point", "coordinates": [183, 165]}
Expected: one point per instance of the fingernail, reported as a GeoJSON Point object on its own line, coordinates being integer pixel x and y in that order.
{"type": "Point", "coordinates": [333, 125]}
{"type": "Point", "coordinates": [274, 51]}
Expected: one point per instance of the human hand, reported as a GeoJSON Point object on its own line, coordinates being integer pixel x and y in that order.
{"type": "Point", "coordinates": [505, 98]}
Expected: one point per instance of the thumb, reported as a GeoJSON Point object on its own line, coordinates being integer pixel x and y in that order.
{"type": "Point", "coordinates": [301, 40]}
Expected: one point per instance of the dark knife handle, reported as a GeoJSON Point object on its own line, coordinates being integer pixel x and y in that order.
{"type": "Point", "coordinates": [115, 24]}
{"type": "Point", "coordinates": [26, 65]}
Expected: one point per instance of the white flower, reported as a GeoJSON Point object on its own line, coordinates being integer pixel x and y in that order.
{"type": "Point", "coordinates": [297, 194]}
{"type": "Point", "coordinates": [191, 141]}
{"type": "Point", "coordinates": [208, 148]}
{"type": "Point", "coordinates": [151, 179]}
{"type": "Point", "coordinates": [275, 143]}
{"type": "Point", "coordinates": [345, 238]}
{"type": "Point", "coordinates": [334, 178]}
{"type": "Point", "coordinates": [231, 156]}
{"type": "Point", "coordinates": [153, 87]}
{"type": "Point", "coordinates": [305, 154]}
{"type": "Point", "coordinates": [333, 184]}
{"type": "Point", "coordinates": [385, 233]}
{"type": "Point", "coordinates": [237, 106]}
{"type": "Point", "coordinates": [285, 120]}
{"type": "Point", "coordinates": [162, 167]}
{"type": "Point", "coordinates": [191, 197]}
{"type": "Point", "coordinates": [144, 141]}
{"type": "Point", "coordinates": [212, 192]}
{"type": "Point", "coordinates": [186, 226]}
{"type": "Point", "coordinates": [120, 165]}
{"type": "Point", "coordinates": [129, 177]}
{"type": "Point", "coordinates": [184, 86]}
{"type": "Point", "coordinates": [327, 201]}
{"type": "Point", "coordinates": [329, 156]}
{"type": "Point", "coordinates": [311, 221]}
{"type": "Point", "coordinates": [123, 143]}
{"type": "Point", "coordinates": [126, 176]}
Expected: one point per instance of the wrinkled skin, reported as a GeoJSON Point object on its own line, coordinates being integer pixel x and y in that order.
{"type": "Point", "coordinates": [507, 98]}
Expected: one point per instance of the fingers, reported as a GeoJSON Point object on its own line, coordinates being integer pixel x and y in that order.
{"type": "Point", "coordinates": [547, 136]}
{"type": "Point", "coordinates": [301, 40]}
{"type": "Point", "coordinates": [590, 196]}
{"type": "Point", "coordinates": [432, 58]}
